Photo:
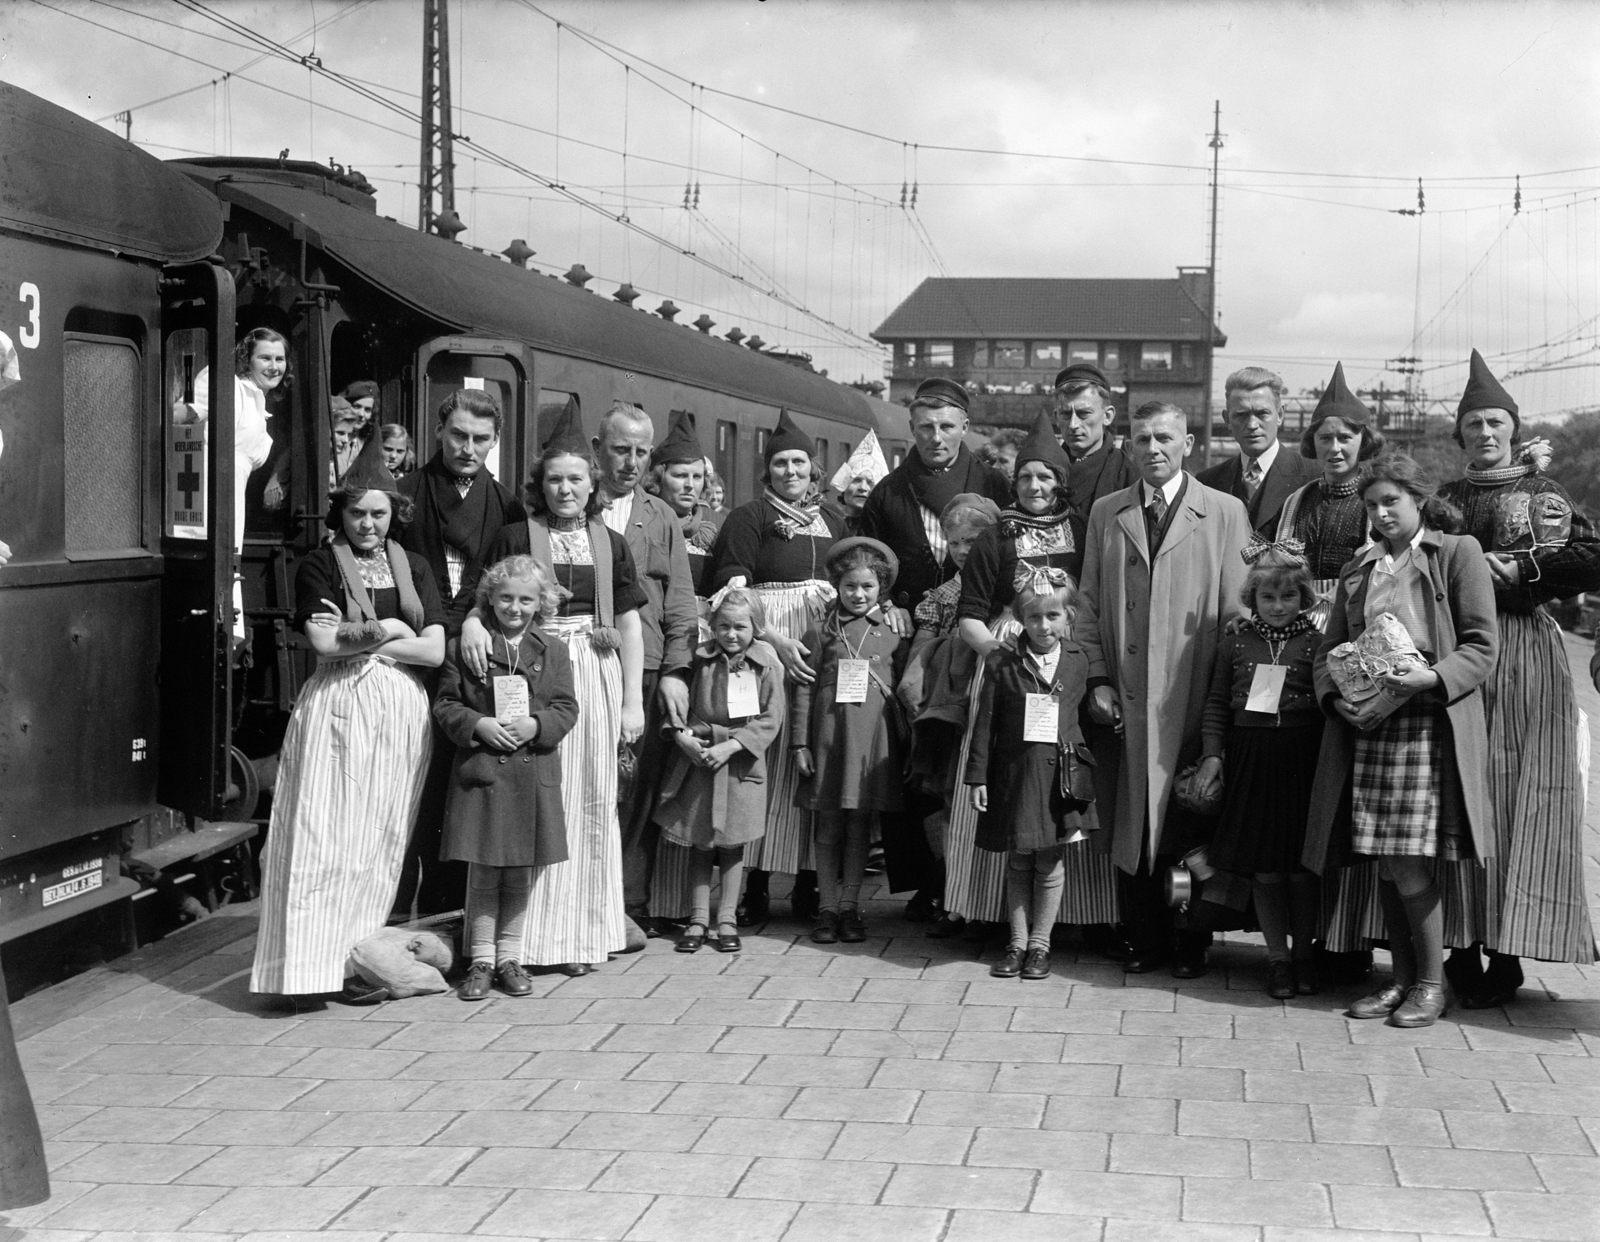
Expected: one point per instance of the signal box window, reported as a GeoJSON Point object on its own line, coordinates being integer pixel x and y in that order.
{"type": "Point", "coordinates": [980, 353]}
{"type": "Point", "coordinates": [1186, 356]}
{"type": "Point", "coordinates": [940, 354]}
{"type": "Point", "coordinates": [1047, 354]}
{"type": "Point", "coordinates": [1008, 354]}
{"type": "Point", "coordinates": [1083, 351]}
{"type": "Point", "coordinates": [104, 458]}
{"type": "Point", "coordinates": [1155, 357]}
{"type": "Point", "coordinates": [1113, 356]}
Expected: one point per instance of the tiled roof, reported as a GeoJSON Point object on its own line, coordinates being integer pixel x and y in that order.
{"type": "Point", "coordinates": [1030, 308]}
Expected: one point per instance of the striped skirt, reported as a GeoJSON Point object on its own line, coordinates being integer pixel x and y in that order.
{"type": "Point", "coordinates": [352, 767]}
{"type": "Point", "coordinates": [1529, 899]}
{"type": "Point", "coordinates": [575, 908]}
{"type": "Point", "coordinates": [975, 880]}
{"type": "Point", "coordinates": [792, 608]}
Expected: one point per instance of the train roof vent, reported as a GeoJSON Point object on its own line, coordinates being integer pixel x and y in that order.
{"type": "Point", "coordinates": [519, 252]}
{"type": "Point", "coordinates": [668, 310]}
{"type": "Point", "coordinates": [626, 294]}
{"type": "Point", "coordinates": [705, 323]}
{"type": "Point", "coordinates": [577, 275]}
{"type": "Point", "coordinates": [335, 180]}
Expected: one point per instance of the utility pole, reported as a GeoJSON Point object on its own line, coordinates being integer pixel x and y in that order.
{"type": "Point", "coordinates": [437, 175]}
{"type": "Point", "coordinates": [125, 119]}
{"type": "Point", "coordinates": [1211, 282]}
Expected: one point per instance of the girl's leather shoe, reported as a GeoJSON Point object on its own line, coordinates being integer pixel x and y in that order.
{"type": "Point", "coordinates": [826, 930]}
{"type": "Point", "coordinates": [1036, 965]}
{"type": "Point", "coordinates": [1380, 1004]}
{"type": "Point", "coordinates": [1425, 1004]}
{"type": "Point", "coordinates": [852, 927]}
{"type": "Point", "coordinates": [1010, 964]}
{"type": "Point", "coordinates": [513, 980]}
{"type": "Point", "coordinates": [1280, 980]}
{"type": "Point", "coordinates": [478, 983]}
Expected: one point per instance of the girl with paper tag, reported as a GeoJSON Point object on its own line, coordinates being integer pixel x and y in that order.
{"type": "Point", "coordinates": [1402, 775]}
{"type": "Point", "coordinates": [504, 816]}
{"type": "Point", "coordinates": [1029, 773]}
{"type": "Point", "coordinates": [713, 798]}
{"type": "Point", "coordinates": [849, 744]}
{"type": "Point", "coordinates": [1262, 731]}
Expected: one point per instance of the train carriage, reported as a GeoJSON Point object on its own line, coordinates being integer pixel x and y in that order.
{"type": "Point", "coordinates": [121, 696]}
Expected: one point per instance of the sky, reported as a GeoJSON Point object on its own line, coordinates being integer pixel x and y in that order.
{"type": "Point", "coordinates": [794, 124]}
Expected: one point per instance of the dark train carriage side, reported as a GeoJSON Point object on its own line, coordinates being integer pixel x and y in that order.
{"type": "Point", "coordinates": [109, 652]}
{"type": "Point", "coordinates": [360, 296]}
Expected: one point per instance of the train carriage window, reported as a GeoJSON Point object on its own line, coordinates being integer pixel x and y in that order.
{"type": "Point", "coordinates": [760, 463]}
{"type": "Point", "coordinates": [104, 454]}
{"type": "Point", "coordinates": [727, 443]}
{"type": "Point", "coordinates": [451, 372]}
{"type": "Point", "coordinates": [822, 456]}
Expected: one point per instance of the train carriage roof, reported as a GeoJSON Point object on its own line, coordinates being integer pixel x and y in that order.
{"type": "Point", "coordinates": [65, 177]}
{"type": "Point", "coordinates": [471, 292]}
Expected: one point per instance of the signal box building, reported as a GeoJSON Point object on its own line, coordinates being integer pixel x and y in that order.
{"type": "Point", "coordinates": [1005, 338]}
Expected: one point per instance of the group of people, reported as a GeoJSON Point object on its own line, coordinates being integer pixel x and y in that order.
{"type": "Point", "coordinates": [1308, 668]}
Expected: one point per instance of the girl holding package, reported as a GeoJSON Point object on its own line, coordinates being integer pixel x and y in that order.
{"type": "Point", "coordinates": [1026, 741]}
{"type": "Point", "coordinates": [713, 798]}
{"type": "Point", "coordinates": [504, 816]}
{"type": "Point", "coordinates": [848, 743]}
{"type": "Point", "coordinates": [1401, 774]}
{"type": "Point", "coordinates": [1262, 732]}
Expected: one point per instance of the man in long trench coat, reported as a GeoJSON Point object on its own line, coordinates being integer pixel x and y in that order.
{"type": "Point", "coordinates": [1161, 578]}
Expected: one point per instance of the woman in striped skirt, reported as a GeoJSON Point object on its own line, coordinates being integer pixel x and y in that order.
{"type": "Point", "coordinates": [778, 544]}
{"type": "Point", "coordinates": [575, 915]}
{"type": "Point", "coordinates": [1530, 901]}
{"type": "Point", "coordinates": [358, 744]}
{"type": "Point", "coordinates": [1400, 772]}
{"type": "Point", "coordinates": [1330, 518]}
{"type": "Point", "coordinates": [1038, 529]}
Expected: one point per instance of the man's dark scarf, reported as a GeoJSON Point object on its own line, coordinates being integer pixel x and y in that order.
{"type": "Point", "coordinates": [934, 489]}
{"type": "Point", "coordinates": [449, 519]}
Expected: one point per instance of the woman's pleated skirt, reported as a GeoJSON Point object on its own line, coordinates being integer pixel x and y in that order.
{"type": "Point", "coordinates": [975, 880]}
{"type": "Point", "coordinates": [1528, 900]}
{"type": "Point", "coordinates": [349, 781]}
{"type": "Point", "coordinates": [792, 608]}
{"type": "Point", "coordinates": [575, 908]}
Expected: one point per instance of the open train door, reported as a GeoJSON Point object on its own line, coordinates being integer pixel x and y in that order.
{"type": "Point", "coordinates": [197, 312]}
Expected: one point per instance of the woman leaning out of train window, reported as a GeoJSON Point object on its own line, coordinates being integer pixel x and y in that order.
{"type": "Point", "coordinates": [358, 743]}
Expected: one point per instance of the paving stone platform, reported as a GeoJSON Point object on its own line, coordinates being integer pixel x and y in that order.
{"type": "Point", "coordinates": [887, 1092]}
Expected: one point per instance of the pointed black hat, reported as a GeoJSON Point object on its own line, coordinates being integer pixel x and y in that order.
{"type": "Point", "coordinates": [368, 471]}
{"type": "Point", "coordinates": [567, 435]}
{"type": "Point", "coordinates": [1483, 391]}
{"type": "Point", "coordinates": [786, 436]}
{"type": "Point", "coordinates": [1042, 445]}
{"type": "Point", "coordinates": [1337, 401]}
{"type": "Point", "coordinates": [680, 444]}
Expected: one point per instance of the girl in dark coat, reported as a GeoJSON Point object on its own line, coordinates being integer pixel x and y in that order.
{"type": "Point", "coordinates": [1262, 725]}
{"type": "Point", "coordinates": [1026, 727]}
{"type": "Point", "coordinates": [847, 742]}
{"type": "Point", "coordinates": [504, 816]}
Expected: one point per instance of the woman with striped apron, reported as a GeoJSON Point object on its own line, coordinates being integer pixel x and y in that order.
{"type": "Point", "coordinates": [778, 544]}
{"type": "Point", "coordinates": [1038, 529]}
{"type": "Point", "coordinates": [357, 749]}
{"type": "Point", "coordinates": [575, 914]}
{"type": "Point", "coordinates": [1330, 518]}
{"type": "Point", "coordinates": [1529, 900]}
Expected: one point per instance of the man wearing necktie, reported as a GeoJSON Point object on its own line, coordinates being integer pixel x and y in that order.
{"type": "Point", "coordinates": [1261, 476]}
{"type": "Point", "coordinates": [1161, 578]}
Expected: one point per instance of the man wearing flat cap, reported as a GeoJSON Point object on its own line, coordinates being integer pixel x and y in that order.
{"type": "Point", "coordinates": [903, 512]}
{"type": "Point", "coordinates": [1262, 476]}
{"type": "Point", "coordinates": [1084, 412]}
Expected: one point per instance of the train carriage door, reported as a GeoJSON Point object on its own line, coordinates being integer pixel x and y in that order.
{"type": "Point", "coordinates": [197, 538]}
{"type": "Point", "coordinates": [500, 368]}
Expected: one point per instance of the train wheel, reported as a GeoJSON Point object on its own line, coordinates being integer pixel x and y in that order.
{"type": "Point", "coordinates": [244, 788]}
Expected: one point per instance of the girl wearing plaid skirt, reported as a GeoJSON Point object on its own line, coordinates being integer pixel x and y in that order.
{"type": "Point", "coordinates": [1401, 775]}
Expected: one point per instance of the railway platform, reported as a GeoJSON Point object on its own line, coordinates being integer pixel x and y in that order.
{"type": "Point", "coordinates": [889, 1091]}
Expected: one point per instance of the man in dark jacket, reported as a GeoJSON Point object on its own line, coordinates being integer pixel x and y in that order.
{"type": "Point", "coordinates": [1084, 414]}
{"type": "Point", "coordinates": [1262, 475]}
{"type": "Point", "coordinates": [460, 507]}
{"type": "Point", "coordinates": [903, 512]}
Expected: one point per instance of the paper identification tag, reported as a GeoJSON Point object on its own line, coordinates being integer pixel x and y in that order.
{"type": "Point", "coordinates": [744, 694]}
{"type": "Point", "coordinates": [1041, 718]}
{"type": "Point", "coordinates": [510, 698]}
{"type": "Point", "coordinates": [1266, 688]}
{"type": "Point", "coordinates": [851, 684]}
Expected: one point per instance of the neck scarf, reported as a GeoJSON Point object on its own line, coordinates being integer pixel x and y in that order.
{"type": "Point", "coordinates": [793, 519]}
{"type": "Point", "coordinates": [934, 489]}
{"type": "Point", "coordinates": [1014, 521]}
{"type": "Point", "coordinates": [1276, 634]}
{"type": "Point", "coordinates": [358, 603]}
{"type": "Point", "coordinates": [1532, 458]}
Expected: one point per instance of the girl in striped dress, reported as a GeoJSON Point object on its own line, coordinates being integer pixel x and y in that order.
{"type": "Point", "coordinates": [1407, 764]}
{"type": "Point", "coordinates": [779, 545]}
{"type": "Point", "coordinates": [358, 744]}
{"type": "Point", "coordinates": [1530, 900]}
{"type": "Point", "coordinates": [575, 914]}
{"type": "Point", "coordinates": [1039, 529]}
